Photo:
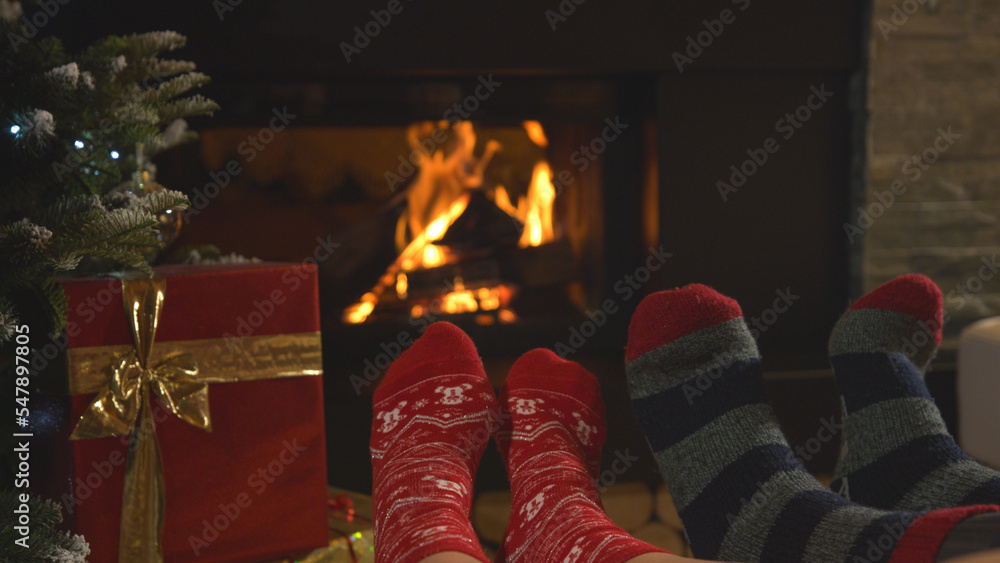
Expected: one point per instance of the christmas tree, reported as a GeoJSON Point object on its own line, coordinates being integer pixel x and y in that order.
{"type": "Point", "coordinates": [76, 137]}
{"type": "Point", "coordinates": [46, 542]}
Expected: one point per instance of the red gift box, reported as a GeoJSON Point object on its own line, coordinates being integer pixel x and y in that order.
{"type": "Point", "coordinates": [252, 488]}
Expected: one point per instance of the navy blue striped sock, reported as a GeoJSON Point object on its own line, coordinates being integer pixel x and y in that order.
{"type": "Point", "coordinates": [897, 452]}
{"type": "Point", "coordinates": [696, 388]}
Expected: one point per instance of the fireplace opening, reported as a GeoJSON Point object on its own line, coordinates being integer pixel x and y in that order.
{"type": "Point", "coordinates": [489, 222]}
{"type": "Point", "coordinates": [478, 233]}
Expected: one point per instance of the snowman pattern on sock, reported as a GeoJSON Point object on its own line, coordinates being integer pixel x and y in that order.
{"type": "Point", "coordinates": [390, 419]}
{"type": "Point", "coordinates": [453, 395]}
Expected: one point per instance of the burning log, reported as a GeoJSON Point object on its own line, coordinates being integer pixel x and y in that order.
{"type": "Point", "coordinates": [545, 265]}
{"type": "Point", "coordinates": [482, 226]}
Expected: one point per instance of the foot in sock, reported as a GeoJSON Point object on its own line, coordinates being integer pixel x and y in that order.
{"type": "Point", "coordinates": [434, 413]}
{"type": "Point", "coordinates": [898, 453]}
{"type": "Point", "coordinates": [551, 438]}
{"type": "Point", "coordinates": [695, 381]}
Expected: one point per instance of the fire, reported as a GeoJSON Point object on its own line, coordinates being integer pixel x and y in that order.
{"type": "Point", "coordinates": [422, 252]}
{"type": "Point", "coordinates": [466, 300]}
{"type": "Point", "coordinates": [438, 196]}
{"type": "Point", "coordinates": [536, 133]}
{"type": "Point", "coordinates": [358, 312]}
{"type": "Point", "coordinates": [538, 216]}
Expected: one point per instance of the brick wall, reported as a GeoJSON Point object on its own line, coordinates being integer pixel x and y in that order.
{"type": "Point", "coordinates": [932, 177]}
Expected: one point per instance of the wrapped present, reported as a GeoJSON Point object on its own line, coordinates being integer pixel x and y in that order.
{"type": "Point", "coordinates": [351, 535]}
{"type": "Point", "coordinates": [194, 425]}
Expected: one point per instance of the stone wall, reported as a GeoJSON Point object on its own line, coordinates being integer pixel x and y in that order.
{"type": "Point", "coordinates": [933, 153]}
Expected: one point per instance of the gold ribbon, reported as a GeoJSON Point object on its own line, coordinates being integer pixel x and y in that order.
{"type": "Point", "coordinates": [122, 404]}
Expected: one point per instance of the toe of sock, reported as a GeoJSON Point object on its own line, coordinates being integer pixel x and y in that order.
{"type": "Point", "coordinates": [666, 316]}
{"type": "Point", "coordinates": [443, 347]}
{"type": "Point", "coordinates": [543, 367]}
{"type": "Point", "coordinates": [911, 294]}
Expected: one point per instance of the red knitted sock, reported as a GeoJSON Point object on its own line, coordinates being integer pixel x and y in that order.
{"type": "Point", "coordinates": [552, 447]}
{"type": "Point", "coordinates": [434, 412]}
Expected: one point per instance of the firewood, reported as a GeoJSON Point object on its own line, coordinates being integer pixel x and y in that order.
{"type": "Point", "coordinates": [659, 534]}
{"type": "Point", "coordinates": [665, 509]}
{"type": "Point", "coordinates": [629, 505]}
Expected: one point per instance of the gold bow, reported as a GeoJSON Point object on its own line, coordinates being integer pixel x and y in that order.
{"type": "Point", "coordinates": [123, 407]}
{"type": "Point", "coordinates": [124, 382]}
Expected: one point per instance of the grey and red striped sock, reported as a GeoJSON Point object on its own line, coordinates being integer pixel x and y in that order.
{"type": "Point", "coordinates": [696, 386]}
{"type": "Point", "coordinates": [897, 452]}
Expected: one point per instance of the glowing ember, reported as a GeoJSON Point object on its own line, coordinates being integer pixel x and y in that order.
{"type": "Point", "coordinates": [358, 312]}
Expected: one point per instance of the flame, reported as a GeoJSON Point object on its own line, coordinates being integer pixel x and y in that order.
{"type": "Point", "coordinates": [502, 200]}
{"type": "Point", "coordinates": [402, 285]}
{"type": "Point", "coordinates": [421, 252]}
{"type": "Point", "coordinates": [538, 215]}
{"type": "Point", "coordinates": [358, 312]}
{"type": "Point", "coordinates": [536, 133]}
{"type": "Point", "coordinates": [440, 194]}
{"type": "Point", "coordinates": [467, 300]}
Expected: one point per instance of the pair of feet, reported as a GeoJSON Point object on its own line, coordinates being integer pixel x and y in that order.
{"type": "Point", "coordinates": [694, 378]}
{"type": "Point", "coordinates": [435, 412]}
{"type": "Point", "coordinates": [911, 493]}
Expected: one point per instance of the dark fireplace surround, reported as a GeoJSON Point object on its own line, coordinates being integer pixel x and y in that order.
{"type": "Point", "coordinates": [780, 233]}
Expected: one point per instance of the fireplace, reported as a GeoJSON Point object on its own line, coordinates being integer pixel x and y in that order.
{"type": "Point", "coordinates": [327, 180]}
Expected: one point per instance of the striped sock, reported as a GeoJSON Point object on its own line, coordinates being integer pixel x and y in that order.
{"type": "Point", "coordinates": [898, 453]}
{"type": "Point", "coordinates": [697, 391]}
{"type": "Point", "coordinates": [552, 448]}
